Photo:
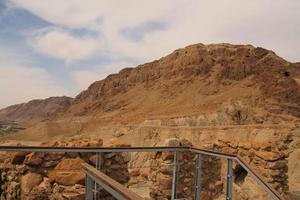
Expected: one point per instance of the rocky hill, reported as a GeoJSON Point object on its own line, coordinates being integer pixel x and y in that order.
{"type": "Point", "coordinates": [194, 80]}
{"type": "Point", "coordinates": [219, 84]}
{"type": "Point", "coordinates": [239, 98]}
{"type": "Point", "coordinates": [35, 110]}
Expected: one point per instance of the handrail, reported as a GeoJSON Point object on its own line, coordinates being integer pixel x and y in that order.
{"type": "Point", "coordinates": [116, 189]}
{"type": "Point", "coordinates": [89, 149]}
{"type": "Point", "coordinates": [255, 175]}
{"type": "Point", "coordinates": [259, 179]}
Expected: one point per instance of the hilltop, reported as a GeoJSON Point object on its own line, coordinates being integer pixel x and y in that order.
{"type": "Point", "coordinates": [195, 80]}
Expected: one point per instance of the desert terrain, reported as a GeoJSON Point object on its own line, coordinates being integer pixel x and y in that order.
{"type": "Point", "coordinates": [233, 98]}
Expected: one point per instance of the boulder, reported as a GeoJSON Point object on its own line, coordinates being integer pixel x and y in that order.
{"type": "Point", "coordinates": [54, 156]}
{"type": "Point", "coordinates": [28, 182]}
{"type": "Point", "coordinates": [269, 156]}
{"type": "Point", "coordinates": [172, 142]}
{"type": "Point", "coordinates": [164, 181]}
{"type": "Point", "coordinates": [75, 192]}
{"type": "Point", "coordinates": [68, 172]}
{"type": "Point", "coordinates": [34, 159]}
{"type": "Point", "coordinates": [117, 142]}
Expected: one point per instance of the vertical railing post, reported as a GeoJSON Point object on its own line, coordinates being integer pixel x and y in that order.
{"type": "Point", "coordinates": [198, 177]}
{"type": "Point", "coordinates": [175, 176]}
{"type": "Point", "coordinates": [88, 188]}
{"type": "Point", "coordinates": [229, 180]}
{"type": "Point", "coordinates": [98, 166]}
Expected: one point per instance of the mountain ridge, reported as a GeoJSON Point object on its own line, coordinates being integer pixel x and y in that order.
{"type": "Point", "coordinates": [197, 79]}
{"type": "Point", "coordinates": [34, 110]}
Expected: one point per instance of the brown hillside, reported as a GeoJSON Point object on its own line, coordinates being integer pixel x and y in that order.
{"type": "Point", "coordinates": [196, 79]}
{"type": "Point", "coordinates": [35, 110]}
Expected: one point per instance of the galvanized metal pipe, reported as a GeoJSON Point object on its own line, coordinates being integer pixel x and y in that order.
{"type": "Point", "coordinates": [229, 180]}
{"type": "Point", "coordinates": [198, 177]}
{"type": "Point", "coordinates": [106, 187]}
{"type": "Point", "coordinates": [175, 176]}
{"type": "Point", "coordinates": [88, 188]}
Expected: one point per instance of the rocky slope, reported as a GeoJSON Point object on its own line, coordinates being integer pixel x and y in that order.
{"type": "Point", "coordinates": [225, 84]}
{"type": "Point", "coordinates": [9, 127]}
{"type": "Point", "coordinates": [35, 110]}
{"type": "Point", "coordinates": [193, 80]}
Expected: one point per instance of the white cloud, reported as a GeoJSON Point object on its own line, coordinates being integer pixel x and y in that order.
{"type": "Point", "coordinates": [92, 13]}
{"type": "Point", "coordinates": [193, 21]}
{"type": "Point", "coordinates": [21, 82]}
{"type": "Point", "coordinates": [61, 44]}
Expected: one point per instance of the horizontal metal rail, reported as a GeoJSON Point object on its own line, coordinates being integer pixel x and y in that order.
{"type": "Point", "coordinates": [250, 171]}
{"type": "Point", "coordinates": [89, 149]}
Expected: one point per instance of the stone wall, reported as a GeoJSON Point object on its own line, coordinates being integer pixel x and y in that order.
{"type": "Point", "coordinates": [162, 170]}
{"type": "Point", "coordinates": [57, 176]}
{"type": "Point", "coordinates": [115, 165]}
{"type": "Point", "coordinates": [269, 160]}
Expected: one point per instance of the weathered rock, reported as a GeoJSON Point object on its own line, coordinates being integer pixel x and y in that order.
{"type": "Point", "coordinates": [172, 142]}
{"type": "Point", "coordinates": [18, 158]}
{"type": "Point", "coordinates": [164, 181]}
{"type": "Point", "coordinates": [39, 193]}
{"type": "Point", "coordinates": [67, 172]}
{"type": "Point", "coordinates": [75, 192]}
{"type": "Point", "coordinates": [12, 191]}
{"type": "Point", "coordinates": [117, 142]}
{"type": "Point", "coordinates": [34, 159]}
{"type": "Point", "coordinates": [269, 156]}
{"type": "Point", "coordinates": [54, 156]}
{"type": "Point", "coordinates": [28, 182]}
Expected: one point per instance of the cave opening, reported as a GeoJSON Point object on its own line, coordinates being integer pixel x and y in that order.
{"type": "Point", "coordinates": [239, 174]}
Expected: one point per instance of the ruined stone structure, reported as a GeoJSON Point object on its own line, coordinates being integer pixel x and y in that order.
{"type": "Point", "coordinates": [269, 160]}
{"type": "Point", "coordinates": [162, 171]}
{"type": "Point", "coordinates": [57, 176]}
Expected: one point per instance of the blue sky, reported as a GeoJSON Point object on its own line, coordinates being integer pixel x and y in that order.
{"type": "Point", "coordinates": [59, 47]}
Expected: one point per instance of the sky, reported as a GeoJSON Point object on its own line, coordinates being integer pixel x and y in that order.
{"type": "Point", "coordinates": [59, 47]}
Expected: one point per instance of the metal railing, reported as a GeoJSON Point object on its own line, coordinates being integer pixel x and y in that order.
{"type": "Point", "coordinates": [199, 152]}
{"type": "Point", "coordinates": [116, 189]}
